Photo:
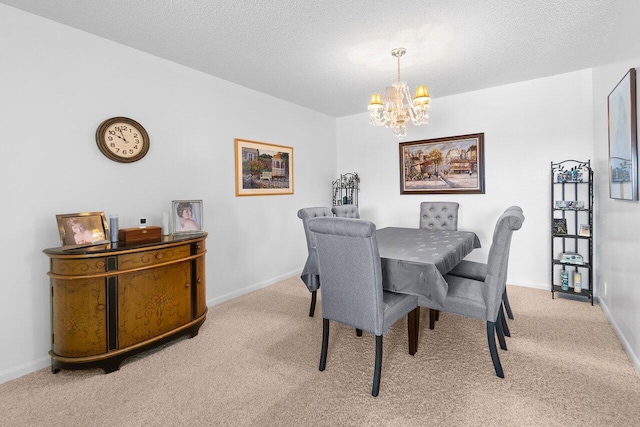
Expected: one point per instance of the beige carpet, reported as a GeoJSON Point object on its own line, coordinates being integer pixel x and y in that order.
{"type": "Point", "coordinates": [255, 362]}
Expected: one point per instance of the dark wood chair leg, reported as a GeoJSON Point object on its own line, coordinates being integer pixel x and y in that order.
{"type": "Point", "coordinates": [432, 318]}
{"type": "Point", "coordinates": [359, 332]}
{"type": "Point", "coordinates": [507, 306]}
{"type": "Point", "coordinates": [378, 367]}
{"type": "Point", "coordinates": [312, 309]}
{"type": "Point", "coordinates": [505, 326]}
{"type": "Point", "coordinates": [437, 315]}
{"type": "Point", "coordinates": [491, 338]}
{"type": "Point", "coordinates": [413, 325]}
{"type": "Point", "coordinates": [325, 343]}
{"type": "Point", "coordinates": [500, 331]}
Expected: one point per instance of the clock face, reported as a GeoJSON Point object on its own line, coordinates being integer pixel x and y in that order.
{"type": "Point", "coordinates": [122, 139]}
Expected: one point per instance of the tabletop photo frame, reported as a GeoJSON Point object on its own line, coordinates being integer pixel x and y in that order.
{"type": "Point", "coordinates": [186, 216]}
{"type": "Point", "coordinates": [451, 165]}
{"type": "Point", "coordinates": [82, 229]}
{"type": "Point", "coordinates": [585, 230]}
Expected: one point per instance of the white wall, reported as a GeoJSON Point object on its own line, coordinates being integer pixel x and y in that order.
{"type": "Point", "coordinates": [57, 85]}
{"type": "Point", "coordinates": [617, 221]}
{"type": "Point", "coordinates": [526, 126]}
{"type": "Point", "coordinates": [617, 224]}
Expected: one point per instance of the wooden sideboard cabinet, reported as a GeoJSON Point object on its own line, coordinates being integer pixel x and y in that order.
{"type": "Point", "coordinates": [112, 301]}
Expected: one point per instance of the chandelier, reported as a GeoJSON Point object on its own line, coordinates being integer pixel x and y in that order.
{"type": "Point", "coordinates": [396, 108]}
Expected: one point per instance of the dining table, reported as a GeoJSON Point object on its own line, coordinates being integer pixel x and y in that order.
{"type": "Point", "coordinates": [414, 260]}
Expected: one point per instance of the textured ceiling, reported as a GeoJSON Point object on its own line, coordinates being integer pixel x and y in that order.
{"type": "Point", "coordinates": [330, 55]}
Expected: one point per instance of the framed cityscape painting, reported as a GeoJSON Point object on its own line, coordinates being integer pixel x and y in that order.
{"type": "Point", "coordinates": [451, 165]}
{"type": "Point", "coordinates": [623, 144]}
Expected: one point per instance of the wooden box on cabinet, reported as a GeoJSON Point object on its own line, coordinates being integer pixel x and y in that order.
{"type": "Point", "coordinates": [136, 236]}
{"type": "Point", "coordinates": [113, 301]}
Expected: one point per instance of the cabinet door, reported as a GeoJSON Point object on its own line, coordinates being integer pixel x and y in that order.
{"type": "Point", "coordinates": [201, 281]}
{"type": "Point", "coordinates": [79, 319]}
{"type": "Point", "coordinates": [152, 302]}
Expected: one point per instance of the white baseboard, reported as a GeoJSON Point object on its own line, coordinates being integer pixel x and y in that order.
{"type": "Point", "coordinates": [44, 362]}
{"type": "Point", "coordinates": [231, 295]}
{"type": "Point", "coordinates": [625, 344]}
{"type": "Point", "coordinates": [24, 369]}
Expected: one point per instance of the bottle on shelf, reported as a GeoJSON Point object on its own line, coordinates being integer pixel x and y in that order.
{"type": "Point", "coordinates": [564, 275]}
{"type": "Point", "coordinates": [577, 282]}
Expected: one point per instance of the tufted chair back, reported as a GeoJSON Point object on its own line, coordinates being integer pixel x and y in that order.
{"type": "Point", "coordinates": [305, 214]}
{"type": "Point", "coordinates": [439, 215]}
{"type": "Point", "coordinates": [346, 211]}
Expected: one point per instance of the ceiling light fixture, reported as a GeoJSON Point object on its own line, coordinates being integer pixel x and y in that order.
{"type": "Point", "coordinates": [396, 108]}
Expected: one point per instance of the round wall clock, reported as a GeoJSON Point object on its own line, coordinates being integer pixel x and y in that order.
{"type": "Point", "coordinates": [122, 139]}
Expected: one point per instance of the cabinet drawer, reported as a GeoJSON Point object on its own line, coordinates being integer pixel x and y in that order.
{"type": "Point", "coordinates": [137, 260]}
{"type": "Point", "coordinates": [78, 267]}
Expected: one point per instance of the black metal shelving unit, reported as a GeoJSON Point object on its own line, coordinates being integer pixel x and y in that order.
{"type": "Point", "coordinates": [572, 205]}
{"type": "Point", "coordinates": [345, 189]}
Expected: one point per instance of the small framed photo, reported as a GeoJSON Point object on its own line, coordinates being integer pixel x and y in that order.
{"type": "Point", "coordinates": [585, 230]}
{"type": "Point", "coordinates": [559, 226]}
{"type": "Point", "coordinates": [82, 229]}
{"type": "Point", "coordinates": [187, 216]}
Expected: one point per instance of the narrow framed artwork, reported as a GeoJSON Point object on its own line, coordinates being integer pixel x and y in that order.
{"type": "Point", "coordinates": [187, 216]}
{"type": "Point", "coordinates": [451, 165]}
{"type": "Point", "coordinates": [623, 143]}
{"type": "Point", "coordinates": [82, 229]}
{"type": "Point", "coordinates": [263, 169]}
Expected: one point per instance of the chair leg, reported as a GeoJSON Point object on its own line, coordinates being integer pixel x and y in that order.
{"type": "Point", "coordinates": [505, 326]}
{"type": "Point", "coordinates": [413, 326]}
{"type": "Point", "coordinates": [378, 367]}
{"type": "Point", "coordinates": [491, 338]}
{"type": "Point", "coordinates": [500, 331]}
{"type": "Point", "coordinates": [505, 300]}
{"type": "Point", "coordinates": [437, 315]}
{"type": "Point", "coordinates": [325, 343]}
{"type": "Point", "coordinates": [312, 309]}
{"type": "Point", "coordinates": [432, 318]}
{"type": "Point", "coordinates": [359, 332]}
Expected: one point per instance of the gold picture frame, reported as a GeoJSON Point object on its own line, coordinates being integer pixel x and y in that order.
{"type": "Point", "coordinates": [82, 229]}
{"type": "Point", "coordinates": [263, 169]}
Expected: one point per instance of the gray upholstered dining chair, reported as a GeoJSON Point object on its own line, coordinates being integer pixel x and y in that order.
{"type": "Point", "coordinates": [310, 272]}
{"type": "Point", "coordinates": [352, 292]}
{"type": "Point", "coordinates": [478, 271]}
{"type": "Point", "coordinates": [346, 211]}
{"type": "Point", "coordinates": [483, 299]}
{"type": "Point", "coordinates": [439, 215]}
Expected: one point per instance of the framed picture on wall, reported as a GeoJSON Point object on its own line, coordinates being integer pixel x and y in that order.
{"type": "Point", "coordinates": [263, 169]}
{"type": "Point", "coordinates": [187, 216]}
{"type": "Point", "coordinates": [82, 229]}
{"type": "Point", "coordinates": [451, 165]}
{"type": "Point", "coordinates": [623, 144]}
